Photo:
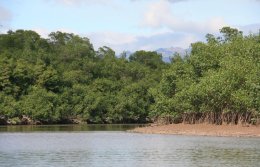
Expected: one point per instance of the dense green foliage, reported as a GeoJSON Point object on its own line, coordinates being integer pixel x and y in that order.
{"type": "Point", "coordinates": [218, 83]}
{"type": "Point", "coordinates": [63, 79]}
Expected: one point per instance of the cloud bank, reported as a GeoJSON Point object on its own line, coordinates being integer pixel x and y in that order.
{"type": "Point", "coordinates": [172, 1]}
{"type": "Point", "coordinates": [80, 2]}
{"type": "Point", "coordinates": [5, 19]}
{"type": "Point", "coordinates": [159, 24]}
{"type": "Point", "coordinates": [127, 42]}
{"type": "Point", "coordinates": [159, 15]}
{"type": "Point", "coordinates": [5, 15]}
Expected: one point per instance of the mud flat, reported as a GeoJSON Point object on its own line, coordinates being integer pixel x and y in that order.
{"type": "Point", "coordinates": [202, 130]}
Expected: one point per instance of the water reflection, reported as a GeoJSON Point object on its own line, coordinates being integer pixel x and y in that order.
{"type": "Point", "coordinates": [98, 149]}
{"type": "Point", "coordinates": [73, 128]}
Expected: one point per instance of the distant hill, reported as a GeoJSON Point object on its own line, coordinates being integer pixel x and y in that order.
{"type": "Point", "coordinates": [167, 53]}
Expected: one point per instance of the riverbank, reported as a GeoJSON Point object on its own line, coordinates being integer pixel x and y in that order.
{"type": "Point", "coordinates": [25, 120]}
{"type": "Point", "coordinates": [201, 130]}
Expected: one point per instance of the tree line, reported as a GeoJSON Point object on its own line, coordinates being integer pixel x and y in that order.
{"type": "Point", "coordinates": [62, 79]}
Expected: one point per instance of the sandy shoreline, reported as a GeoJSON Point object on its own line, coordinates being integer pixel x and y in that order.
{"type": "Point", "coordinates": [202, 130]}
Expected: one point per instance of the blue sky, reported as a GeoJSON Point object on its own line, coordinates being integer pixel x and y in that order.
{"type": "Point", "coordinates": [131, 24]}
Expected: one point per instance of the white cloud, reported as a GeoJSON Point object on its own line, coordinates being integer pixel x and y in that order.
{"type": "Point", "coordinates": [5, 16]}
{"type": "Point", "coordinates": [158, 39]}
{"type": "Point", "coordinates": [112, 38]}
{"type": "Point", "coordinates": [159, 15]}
{"type": "Point", "coordinates": [121, 42]}
{"type": "Point", "coordinates": [165, 40]}
{"type": "Point", "coordinates": [117, 41]}
{"type": "Point", "coordinates": [172, 1]}
{"type": "Point", "coordinates": [251, 28]}
{"type": "Point", "coordinates": [80, 2]}
{"type": "Point", "coordinates": [44, 32]}
{"type": "Point", "coordinates": [5, 19]}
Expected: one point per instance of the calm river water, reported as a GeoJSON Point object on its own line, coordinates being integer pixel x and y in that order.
{"type": "Point", "coordinates": [111, 145]}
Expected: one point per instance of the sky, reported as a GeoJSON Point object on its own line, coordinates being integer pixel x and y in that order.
{"type": "Point", "coordinates": [130, 25]}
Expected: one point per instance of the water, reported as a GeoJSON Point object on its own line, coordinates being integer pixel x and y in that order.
{"type": "Point", "coordinates": [76, 148]}
{"type": "Point", "coordinates": [69, 128]}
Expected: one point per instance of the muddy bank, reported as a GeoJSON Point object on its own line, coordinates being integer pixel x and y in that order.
{"type": "Point", "coordinates": [202, 130]}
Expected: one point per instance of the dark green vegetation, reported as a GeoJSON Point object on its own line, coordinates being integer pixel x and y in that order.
{"type": "Point", "coordinates": [70, 127]}
{"type": "Point", "coordinates": [62, 79]}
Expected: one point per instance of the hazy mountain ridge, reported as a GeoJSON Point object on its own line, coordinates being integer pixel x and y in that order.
{"type": "Point", "coordinates": [167, 53]}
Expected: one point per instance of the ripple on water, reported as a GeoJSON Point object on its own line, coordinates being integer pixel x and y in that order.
{"type": "Point", "coordinates": [125, 149]}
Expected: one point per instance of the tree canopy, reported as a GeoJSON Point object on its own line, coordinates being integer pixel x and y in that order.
{"type": "Point", "coordinates": [62, 79]}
